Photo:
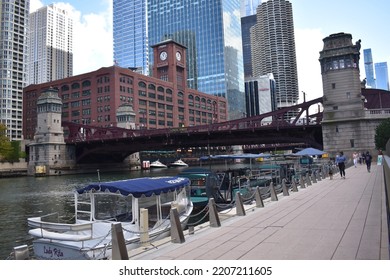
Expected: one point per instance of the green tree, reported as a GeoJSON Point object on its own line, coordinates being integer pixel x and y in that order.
{"type": "Point", "coordinates": [382, 134]}
{"type": "Point", "coordinates": [5, 144]}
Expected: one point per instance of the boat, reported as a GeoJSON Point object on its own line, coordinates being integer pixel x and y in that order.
{"type": "Point", "coordinates": [205, 184]}
{"type": "Point", "coordinates": [99, 205]}
{"type": "Point", "coordinates": [157, 164]}
{"type": "Point", "coordinates": [178, 163]}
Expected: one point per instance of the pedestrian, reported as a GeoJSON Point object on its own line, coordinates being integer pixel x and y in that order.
{"type": "Point", "coordinates": [355, 158]}
{"type": "Point", "coordinates": [340, 161]}
{"type": "Point", "coordinates": [368, 159]}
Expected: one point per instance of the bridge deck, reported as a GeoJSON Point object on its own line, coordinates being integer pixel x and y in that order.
{"type": "Point", "coordinates": [330, 220]}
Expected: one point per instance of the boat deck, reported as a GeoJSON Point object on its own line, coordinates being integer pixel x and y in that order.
{"type": "Point", "coordinates": [339, 219]}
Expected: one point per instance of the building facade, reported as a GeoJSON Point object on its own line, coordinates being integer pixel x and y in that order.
{"type": "Point", "coordinates": [50, 51]}
{"type": "Point", "coordinates": [382, 75]}
{"type": "Point", "coordinates": [248, 7]}
{"type": "Point", "coordinates": [13, 64]}
{"type": "Point", "coordinates": [163, 101]}
{"type": "Point", "coordinates": [273, 49]}
{"type": "Point", "coordinates": [246, 24]}
{"type": "Point", "coordinates": [130, 34]}
{"type": "Point", "coordinates": [211, 32]}
{"type": "Point", "coordinates": [260, 95]}
{"type": "Point", "coordinates": [369, 68]}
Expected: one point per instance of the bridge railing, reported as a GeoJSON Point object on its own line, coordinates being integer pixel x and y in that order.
{"type": "Point", "coordinates": [378, 113]}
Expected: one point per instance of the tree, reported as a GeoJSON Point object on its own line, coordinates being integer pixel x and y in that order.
{"type": "Point", "coordinates": [382, 134]}
{"type": "Point", "coordinates": [5, 144]}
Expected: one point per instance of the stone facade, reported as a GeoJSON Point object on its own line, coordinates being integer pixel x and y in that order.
{"type": "Point", "coordinates": [347, 125]}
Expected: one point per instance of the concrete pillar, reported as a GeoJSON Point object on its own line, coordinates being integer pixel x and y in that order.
{"type": "Point", "coordinates": [259, 199]}
{"type": "Point", "coordinates": [239, 205]}
{"type": "Point", "coordinates": [119, 250]}
{"type": "Point", "coordinates": [274, 196]}
{"type": "Point", "coordinates": [302, 182]}
{"type": "Point", "coordinates": [294, 185]}
{"type": "Point", "coordinates": [177, 235]}
{"type": "Point", "coordinates": [285, 189]}
{"type": "Point", "coordinates": [213, 214]}
{"type": "Point", "coordinates": [144, 226]}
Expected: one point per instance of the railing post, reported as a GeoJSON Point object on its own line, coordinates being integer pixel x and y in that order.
{"type": "Point", "coordinates": [177, 235]}
{"type": "Point", "coordinates": [213, 214]}
{"type": "Point", "coordinates": [314, 177]}
{"type": "Point", "coordinates": [274, 196]}
{"type": "Point", "coordinates": [119, 250]}
{"type": "Point", "coordinates": [308, 179]}
{"type": "Point", "coordinates": [259, 199]}
{"type": "Point", "coordinates": [285, 189]}
{"type": "Point", "coordinates": [294, 185]}
{"type": "Point", "coordinates": [239, 205]}
{"type": "Point", "coordinates": [302, 182]}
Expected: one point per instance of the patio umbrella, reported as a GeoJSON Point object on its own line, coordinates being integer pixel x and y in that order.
{"type": "Point", "coordinates": [310, 152]}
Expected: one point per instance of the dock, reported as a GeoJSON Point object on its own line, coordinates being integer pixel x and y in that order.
{"type": "Point", "coordinates": [338, 219]}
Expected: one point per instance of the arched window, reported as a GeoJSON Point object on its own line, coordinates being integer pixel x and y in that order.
{"type": "Point", "coordinates": [75, 85]}
{"type": "Point", "coordinates": [180, 94]}
{"type": "Point", "coordinates": [160, 89]}
{"type": "Point", "coordinates": [86, 83]}
{"type": "Point", "coordinates": [168, 91]}
{"type": "Point", "coordinates": [152, 87]}
{"type": "Point", "coordinates": [65, 88]}
{"type": "Point", "coordinates": [191, 97]}
{"type": "Point", "coordinates": [142, 84]}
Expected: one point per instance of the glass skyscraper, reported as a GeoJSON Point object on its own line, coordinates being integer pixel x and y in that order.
{"type": "Point", "coordinates": [248, 7]}
{"type": "Point", "coordinates": [246, 24]}
{"type": "Point", "coordinates": [382, 76]}
{"type": "Point", "coordinates": [211, 31]}
{"type": "Point", "coordinates": [369, 68]}
{"type": "Point", "coordinates": [130, 32]}
{"type": "Point", "coordinates": [14, 18]}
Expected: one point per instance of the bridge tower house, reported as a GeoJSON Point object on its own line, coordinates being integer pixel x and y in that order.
{"type": "Point", "coordinates": [48, 153]}
{"type": "Point", "coordinates": [344, 126]}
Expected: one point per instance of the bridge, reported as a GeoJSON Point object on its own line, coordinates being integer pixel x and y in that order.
{"type": "Point", "coordinates": [266, 131]}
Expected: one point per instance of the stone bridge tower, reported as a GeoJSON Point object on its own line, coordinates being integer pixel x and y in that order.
{"type": "Point", "coordinates": [344, 126]}
{"type": "Point", "coordinates": [48, 153]}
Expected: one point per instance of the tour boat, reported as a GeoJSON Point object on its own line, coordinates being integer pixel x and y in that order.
{"type": "Point", "coordinates": [157, 164]}
{"type": "Point", "coordinates": [99, 205]}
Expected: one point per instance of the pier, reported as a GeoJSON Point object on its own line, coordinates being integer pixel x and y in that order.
{"type": "Point", "coordinates": [338, 219]}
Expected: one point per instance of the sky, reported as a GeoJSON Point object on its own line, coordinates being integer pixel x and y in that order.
{"type": "Point", "coordinates": [313, 21]}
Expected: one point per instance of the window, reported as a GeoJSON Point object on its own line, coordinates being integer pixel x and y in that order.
{"type": "Point", "coordinates": [86, 83]}
{"type": "Point", "coordinates": [333, 85]}
{"type": "Point", "coordinates": [348, 95]}
{"type": "Point", "coordinates": [352, 143]}
{"type": "Point", "coordinates": [142, 84]}
{"type": "Point", "coordinates": [335, 107]}
{"type": "Point", "coordinates": [75, 85]}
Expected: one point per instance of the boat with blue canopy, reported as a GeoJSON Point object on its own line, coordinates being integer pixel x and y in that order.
{"type": "Point", "coordinates": [101, 204]}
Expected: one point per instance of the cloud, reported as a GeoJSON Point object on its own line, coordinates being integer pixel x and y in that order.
{"type": "Point", "coordinates": [92, 37]}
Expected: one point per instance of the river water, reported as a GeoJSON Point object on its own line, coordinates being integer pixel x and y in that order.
{"type": "Point", "coordinates": [24, 197]}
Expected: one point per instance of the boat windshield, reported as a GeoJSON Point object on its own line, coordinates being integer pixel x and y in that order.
{"type": "Point", "coordinates": [113, 207]}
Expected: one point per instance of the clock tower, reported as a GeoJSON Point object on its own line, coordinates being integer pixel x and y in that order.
{"type": "Point", "coordinates": [170, 63]}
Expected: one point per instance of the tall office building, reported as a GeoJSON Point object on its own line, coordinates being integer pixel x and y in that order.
{"type": "Point", "coordinates": [13, 63]}
{"type": "Point", "coordinates": [369, 68]}
{"type": "Point", "coordinates": [273, 49]}
{"type": "Point", "coordinates": [260, 95]}
{"type": "Point", "coordinates": [382, 76]}
{"type": "Point", "coordinates": [50, 45]}
{"type": "Point", "coordinates": [211, 31]}
{"type": "Point", "coordinates": [248, 7]}
{"type": "Point", "coordinates": [130, 32]}
{"type": "Point", "coordinates": [247, 23]}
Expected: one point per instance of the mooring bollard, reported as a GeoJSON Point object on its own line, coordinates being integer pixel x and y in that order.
{"type": "Point", "coordinates": [302, 182]}
{"type": "Point", "coordinates": [213, 214]}
{"type": "Point", "coordinates": [259, 199]}
{"type": "Point", "coordinates": [285, 189]}
{"type": "Point", "coordinates": [177, 235]}
{"type": "Point", "coordinates": [119, 250]}
{"type": "Point", "coordinates": [294, 185]}
{"type": "Point", "coordinates": [274, 196]}
{"type": "Point", "coordinates": [239, 205]}
{"type": "Point", "coordinates": [144, 226]}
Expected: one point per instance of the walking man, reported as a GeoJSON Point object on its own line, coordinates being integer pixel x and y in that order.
{"type": "Point", "coordinates": [368, 159]}
{"type": "Point", "coordinates": [340, 161]}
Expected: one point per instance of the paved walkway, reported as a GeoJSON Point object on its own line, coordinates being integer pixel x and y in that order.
{"type": "Point", "coordinates": [341, 219]}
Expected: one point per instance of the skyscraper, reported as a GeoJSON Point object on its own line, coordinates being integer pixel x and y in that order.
{"type": "Point", "coordinates": [13, 60]}
{"type": "Point", "coordinates": [50, 45]}
{"type": "Point", "coordinates": [248, 7]}
{"type": "Point", "coordinates": [369, 68]}
{"type": "Point", "coordinates": [273, 49]}
{"type": "Point", "coordinates": [247, 23]}
{"type": "Point", "coordinates": [130, 30]}
{"type": "Point", "coordinates": [211, 31]}
{"type": "Point", "coordinates": [382, 76]}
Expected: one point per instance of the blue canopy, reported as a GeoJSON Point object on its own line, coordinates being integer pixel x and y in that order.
{"type": "Point", "coordinates": [310, 152]}
{"type": "Point", "coordinates": [147, 186]}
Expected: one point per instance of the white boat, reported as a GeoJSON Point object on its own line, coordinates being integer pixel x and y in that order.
{"type": "Point", "coordinates": [157, 164]}
{"type": "Point", "coordinates": [99, 205]}
{"type": "Point", "coordinates": [178, 163]}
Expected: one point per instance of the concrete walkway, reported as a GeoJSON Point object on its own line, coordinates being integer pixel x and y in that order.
{"type": "Point", "coordinates": [339, 219]}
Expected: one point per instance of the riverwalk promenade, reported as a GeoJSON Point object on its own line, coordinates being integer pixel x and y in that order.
{"type": "Point", "coordinates": [338, 219]}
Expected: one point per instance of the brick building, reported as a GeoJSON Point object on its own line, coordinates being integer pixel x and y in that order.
{"type": "Point", "coordinates": [160, 101]}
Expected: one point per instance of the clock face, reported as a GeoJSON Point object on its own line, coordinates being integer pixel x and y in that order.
{"type": "Point", "coordinates": [163, 55]}
{"type": "Point", "coordinates": [178, 56]}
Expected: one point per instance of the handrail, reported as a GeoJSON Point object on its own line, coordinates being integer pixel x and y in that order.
{"type": "Point", "coordinates": [36, 222]}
